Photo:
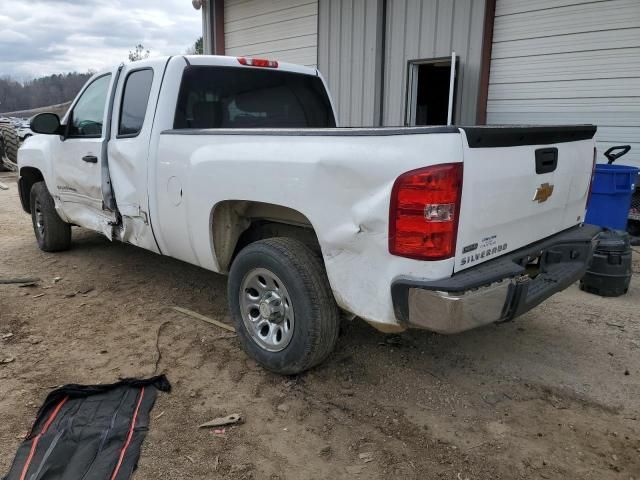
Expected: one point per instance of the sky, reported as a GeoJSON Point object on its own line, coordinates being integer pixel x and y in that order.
{"type": "Point", "coordinates": [42, 37]}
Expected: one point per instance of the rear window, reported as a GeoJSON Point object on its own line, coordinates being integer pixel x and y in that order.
{"type": "Point", "coordinates": [237, 97]}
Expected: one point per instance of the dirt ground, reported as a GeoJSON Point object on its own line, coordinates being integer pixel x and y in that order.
{"type": "Point", "coordinates": [555, 394]}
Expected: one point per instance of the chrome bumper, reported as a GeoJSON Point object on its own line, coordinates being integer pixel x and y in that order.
{"type": "Point", "coordinates": [445, 312]}
{"type": "Point", "coordinates": [498, 290]}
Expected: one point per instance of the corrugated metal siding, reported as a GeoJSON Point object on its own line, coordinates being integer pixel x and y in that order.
{"type": "Point", "coordinates": [349, 57]}
{"type": "Point", "coordinates": [285, 30]}
{"type": "Point", "coordinates": [423, 29]}
{"type": "Point", "coordinates": [569, 61]}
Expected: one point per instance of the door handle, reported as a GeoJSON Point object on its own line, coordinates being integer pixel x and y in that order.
{"type": "Point", "coordinates": [90, 159]}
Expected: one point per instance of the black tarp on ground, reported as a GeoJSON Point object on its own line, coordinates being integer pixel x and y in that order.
{"type": "Point", "coordinates": [88, 432]}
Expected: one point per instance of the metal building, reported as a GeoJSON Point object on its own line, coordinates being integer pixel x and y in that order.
{"type": "Point", "coordinates": [389, 62]}
{"type": "Point", "coordinates": [569, 61]}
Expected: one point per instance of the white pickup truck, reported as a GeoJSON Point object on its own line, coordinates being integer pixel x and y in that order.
{"type": "Point", "coordinates": [236, 165]}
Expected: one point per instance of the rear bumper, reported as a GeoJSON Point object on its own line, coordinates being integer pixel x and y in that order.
{"type": "Point", "coordinates": [495, 291]}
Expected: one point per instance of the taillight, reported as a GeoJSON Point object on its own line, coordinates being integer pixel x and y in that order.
{"type": "Point", "coordinates": [258, 62]}
{"type": "Point", "coordinates": [593, 174]}
{"type": "Point", "coordinates": [424, 212]}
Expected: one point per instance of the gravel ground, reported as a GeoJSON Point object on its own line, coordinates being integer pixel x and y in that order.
{"type": "Point", "coordinates": [554, 394]}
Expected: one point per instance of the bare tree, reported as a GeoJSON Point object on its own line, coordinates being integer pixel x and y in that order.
{"type": "Point", "coordinates": [39, 92]}
{"type": "Point", "coordinates": [139, 53]}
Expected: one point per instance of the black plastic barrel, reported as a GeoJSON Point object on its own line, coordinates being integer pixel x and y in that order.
{"type": "Point", "coordinates": [609, 273]}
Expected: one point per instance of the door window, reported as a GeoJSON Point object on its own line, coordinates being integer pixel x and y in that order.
{"type": "Point", "coordinates": [88, 114]}
{"type": "Point", "coordinates": [137, 88]}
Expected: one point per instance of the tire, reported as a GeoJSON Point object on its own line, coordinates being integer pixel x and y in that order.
{"type": "Point", "coordinates": [633, 226]}
{"type": "Point", "coordinates": [52, 233]}
{"type": "Point", "coordinates": [11, 143]}
{"type": "Point", "coordinates": [2, 156]}
{"type": "Point", "coordinates": [299, 303]}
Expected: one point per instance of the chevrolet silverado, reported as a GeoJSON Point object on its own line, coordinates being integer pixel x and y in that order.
{"type": "Point", "coordinates": [237, 165]}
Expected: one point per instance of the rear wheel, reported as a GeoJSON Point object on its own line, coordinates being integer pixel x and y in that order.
{"type": "Point", "coordinates": [52, 233]}
{"type": "Point", "coordinates": [282, 305]}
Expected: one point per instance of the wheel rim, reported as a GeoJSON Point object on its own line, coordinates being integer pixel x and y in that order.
{"type": "Point", "coordinates": [39, 218]}
{"type": "Point", "coordinates": [266, 309]}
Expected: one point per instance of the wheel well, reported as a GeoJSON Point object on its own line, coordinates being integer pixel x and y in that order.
{"type": "Point", "coordinates": [237, 223]}
{"type": "Point", "coordinates": [28, 177]}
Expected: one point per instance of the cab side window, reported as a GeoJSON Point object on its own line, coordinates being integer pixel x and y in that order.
{"type": "Point", "coordinates": [88, 114]}
{"type": "Point", "coordinates": [135, 99]}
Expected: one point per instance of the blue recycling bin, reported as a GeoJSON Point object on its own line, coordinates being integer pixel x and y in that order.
{"type": "Point", "coordinates": [613, 187]}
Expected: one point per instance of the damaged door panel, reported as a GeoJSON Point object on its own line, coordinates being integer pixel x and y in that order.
{"type": "Point", "coordinates": [78, 157]}
{"type": "Point", "coordinates": [129, 150]}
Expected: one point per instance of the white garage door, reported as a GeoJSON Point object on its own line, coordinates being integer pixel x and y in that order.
{"type": "Point", "coordinates": [569, 61]}
{"type": "Point", "coordinates": [285, 30]}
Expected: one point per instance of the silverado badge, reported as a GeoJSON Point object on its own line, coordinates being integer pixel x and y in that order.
{"type": "Point", "coordinates": [543, 193]}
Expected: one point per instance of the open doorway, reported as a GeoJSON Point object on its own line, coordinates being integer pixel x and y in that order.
{"type": "Point", "coordinates": [428, 94]}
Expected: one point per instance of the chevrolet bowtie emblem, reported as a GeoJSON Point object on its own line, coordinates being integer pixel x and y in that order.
{"type": "Point", "coordinates": [543, 193]}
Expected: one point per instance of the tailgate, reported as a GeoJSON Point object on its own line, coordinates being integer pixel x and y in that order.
{"type": "Point", "coordinates": [521, 185]}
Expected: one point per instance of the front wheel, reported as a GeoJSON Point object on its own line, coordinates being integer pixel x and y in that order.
{"type": "Point", "coordinates": [282, 306]}
{"type": "Point", "coordinates": [52, 233]}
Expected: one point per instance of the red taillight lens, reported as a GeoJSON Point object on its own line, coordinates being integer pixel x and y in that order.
{"type": "Point", "coordinates": [424, 212]}
{"type": "Point", "coordinates": [593, 174]}
{"type": "Point", "coordinates": [257, 62]}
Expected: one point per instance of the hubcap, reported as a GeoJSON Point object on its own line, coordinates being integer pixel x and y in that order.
{"type": "Point", "coordinates": [266, 308]}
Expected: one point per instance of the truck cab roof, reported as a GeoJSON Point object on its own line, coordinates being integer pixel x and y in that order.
{"type": "Point", "coordinates": [228, 61]}
{"type": "Point", "coordinates": [222, 61]}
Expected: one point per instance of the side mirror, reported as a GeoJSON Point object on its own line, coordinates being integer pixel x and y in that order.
{"type": "Point", "coordinates": [46, 123]}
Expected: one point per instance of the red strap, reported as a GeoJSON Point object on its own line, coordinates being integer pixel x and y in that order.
{"type": "Point", "coordinates": [34, 445]}
{"type": "Point", "coordinates": [129, 437]}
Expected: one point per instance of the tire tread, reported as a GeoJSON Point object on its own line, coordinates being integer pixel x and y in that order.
{"type": "Point", "coordinates": [11, 144]}
{"type": "Point", "coordinates": [57, 235]}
